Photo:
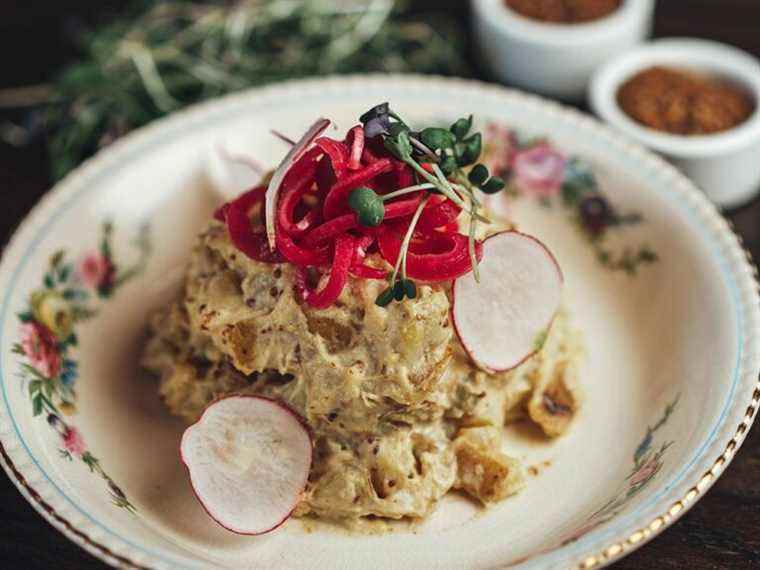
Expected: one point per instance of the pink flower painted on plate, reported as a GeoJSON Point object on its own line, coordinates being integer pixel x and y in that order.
{"type": "Point", "coordinates": [646, 471]}
{"type": "Point", "coordinates": [96, 270]}
{"type": "Point", "coordinates": [73, 441]}
{"type": "Point", "coordinates": [501, 145]}
{"type": "Point", "coordinates": [41, 348]}
{"type": "Point", "coordinates": [539, 170]}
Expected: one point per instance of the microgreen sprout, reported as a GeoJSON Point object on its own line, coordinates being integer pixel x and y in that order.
{"type": "Point", "coordinates": [471, 248]}
{"type": "Point", "coordinates": [468, 150]}
{"type": "Point", "coordinates": [494, 185]}
{"type": "Point", "coordinates": [407, 190]}
{"type": "Point", "coordinates": [478, 175]}
{"type": "Point", "coordinates": [368, 206]}
{"type": "Point", "coordinates": [437, 139]}
{"type": "Point", "coordinates": [400, 288]}
{"type": "Point", "coordinates": [385, 298]}
{"type": "Point", "coordinates": [428, 153]}
{"type": "Point", "coordinates": [461, 127]}
{"type": "Point", "coordinates": [438, 156]}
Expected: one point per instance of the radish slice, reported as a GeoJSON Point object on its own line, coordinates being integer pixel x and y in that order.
{"type": "Point", "coordinates": [249, 459]}
{"type": "Point", "coordinates": [505, 318]}
{"type": "Point", "coordinates": [273, 191]}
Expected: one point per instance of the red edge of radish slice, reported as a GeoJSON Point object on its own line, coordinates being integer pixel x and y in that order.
{"type": "Point", "coordinates": [248, 458]}
{"type": "Point", "coordinates": [273, 190]}
{"type": "Point", "coordinates": [503, 320]}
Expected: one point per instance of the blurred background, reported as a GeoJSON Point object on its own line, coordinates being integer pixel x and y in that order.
{"type": "Point", "coordinates": [78, 74]}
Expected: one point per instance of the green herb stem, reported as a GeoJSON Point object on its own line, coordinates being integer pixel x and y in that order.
{"type": "Point", "coordinates": [464, 183]}
{"type": "Point", "coordinates": [407, 190]}
{"type": "Point", "coordinates": [445, 188]}
{"type": "Point", "coordinates": [453, 196]}
{"type": "Point", "coordinates": [474, 202]}
{"type": "Point", "coordinates": [442, 177]}
{"type": "Point", "coordinates": [422, 148]}
{"type": "Point", "coordinates": [401, 261]}
{"type": "Point", "coordinates": [470, 195]}
{"type": "Point", "coordinates": [471, 247]}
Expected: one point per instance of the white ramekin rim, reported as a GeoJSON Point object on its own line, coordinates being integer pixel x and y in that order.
{"type": "Point", "coordinates": [560, 35]}
{"type": "Point", "coordinates": [692, 53]}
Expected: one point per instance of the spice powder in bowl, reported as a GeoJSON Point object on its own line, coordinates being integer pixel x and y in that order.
{"type": "Point", "coordinates": [684, 102]}
{"type": "Point", "coordinates": [564, 11]}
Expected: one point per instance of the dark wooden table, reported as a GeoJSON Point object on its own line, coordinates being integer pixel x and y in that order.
{"type": "Point", "coordinates": [721, 531]}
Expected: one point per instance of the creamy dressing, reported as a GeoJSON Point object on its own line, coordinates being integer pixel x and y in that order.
{"type": "Point", "coordinates": [399, 414]}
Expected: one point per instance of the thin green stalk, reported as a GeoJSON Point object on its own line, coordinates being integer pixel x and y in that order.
{"type": "Point", "coordinates": [465, 183]}
{"type": "Point", "coordinates": [401, 261]}
{"type": "Point", "coordinates": [422, 148]}
{"type": "Point", "coordinates": [458, 190]}
{"type": "Point", "coordinates": [407, 190]}
{"type": "Point", "coordinates": [471, 247]}
{"type": "Point", "coordinates": [472, 210]}
{"type": "Point", "coordinates": [435, 182]}
{"type": "Point", "coordinates": [442, 177]}
{"type": "Point", "coordinates": [465, 192]}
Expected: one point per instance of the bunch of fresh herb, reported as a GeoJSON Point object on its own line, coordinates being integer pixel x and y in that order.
{"type": "Point", "coordinates": [162, 55]}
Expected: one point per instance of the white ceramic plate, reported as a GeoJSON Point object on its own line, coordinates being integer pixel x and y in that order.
{"type": "Point", "coordinates": [671, 378]}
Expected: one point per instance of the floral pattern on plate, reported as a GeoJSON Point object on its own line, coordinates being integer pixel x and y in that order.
{"type": "Point", "coordinates": [535, 168]}
{"type": "Point", "coordinates": [648, 460]}
{"type": "Point", "coordinates": [48, 339]}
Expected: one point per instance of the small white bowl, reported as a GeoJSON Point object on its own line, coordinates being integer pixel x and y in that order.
{"type": "Point", "coordinates": [725, 165]}
{"type": "Point", "coordinates": [557, 60]}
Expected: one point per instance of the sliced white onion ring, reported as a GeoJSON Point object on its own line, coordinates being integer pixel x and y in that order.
{"type": "Point", "coordinates": [273, 190]}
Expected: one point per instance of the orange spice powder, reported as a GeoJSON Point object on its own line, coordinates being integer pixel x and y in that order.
{"type": "Point", "coordinates": [564, 11]}
{"type": "Point", "coordinates": [684, 103]}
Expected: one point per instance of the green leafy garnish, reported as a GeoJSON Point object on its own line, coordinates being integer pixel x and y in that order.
{"type": "Point", "coordinates": [368, 206]}
{"type": "Point", "coordinates": [494, 185]}
{"type": "Point", "coordinates": [385, 298]}
{"type": "Point", "coordinates": [437, 139]}
{"type": "Point", "coordinates": [399, 145]}
{"type": "Point", "coordinates": [468, 151]}
{"type": "Point", "coordinates": [401, 289]}
{"type": "Point", "coordinates": [438, 157]}
{"type": "Point", "coordinates": [461, 127]}
{"type": "Point", "coordinates": [410, 288]}
{"type": "Point", "coordinates": [399, 292]}
{"type": "Point", "coordinates": [478, 175]}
